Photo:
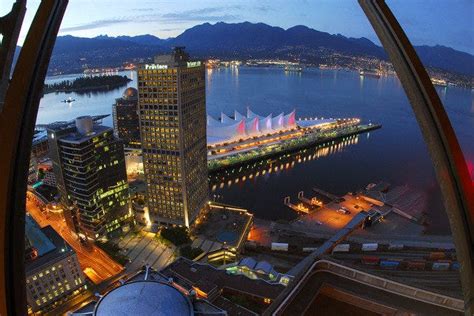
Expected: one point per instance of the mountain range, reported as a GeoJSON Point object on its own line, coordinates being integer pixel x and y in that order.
{"type": "Point", "coordinates": [239, 40]}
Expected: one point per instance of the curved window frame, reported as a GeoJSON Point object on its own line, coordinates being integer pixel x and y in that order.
{"type": "Point", "coordinates": [23, 93]}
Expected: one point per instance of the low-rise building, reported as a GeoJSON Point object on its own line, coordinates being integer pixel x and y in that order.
{"type": "Point", "coordinates": [52, 270]}
{"type": "Point", "coordinates": [222, 288]}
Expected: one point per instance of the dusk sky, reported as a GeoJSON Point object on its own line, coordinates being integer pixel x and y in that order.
{"type": "Point", "coordinates": [430, 22]}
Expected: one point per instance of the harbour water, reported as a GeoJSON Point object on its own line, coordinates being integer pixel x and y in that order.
{"type": "Point", "coordinates": [396, 153]}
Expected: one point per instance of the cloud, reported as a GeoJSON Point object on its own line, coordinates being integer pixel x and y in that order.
{"type": "Point", "coordinates": [212, 14]}
{"type": "Point", "coordinates": [264, 8]}
{"type": "Point", "coordinates": [143, 9]}
{"type": "Point", "coordinates": [96, 24]}
{"type": "Point", "coordinates": [171, 29]}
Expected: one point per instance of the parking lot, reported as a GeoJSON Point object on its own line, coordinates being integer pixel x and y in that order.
{"type": "Point", "coordinates": [329, 219]}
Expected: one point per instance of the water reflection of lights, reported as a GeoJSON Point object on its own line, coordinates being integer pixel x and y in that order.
{"type": "Point", "coordinates": [276, 165]}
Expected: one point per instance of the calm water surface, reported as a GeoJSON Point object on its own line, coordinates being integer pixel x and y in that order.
{"type": "Point", "coordinates": [396, 153]}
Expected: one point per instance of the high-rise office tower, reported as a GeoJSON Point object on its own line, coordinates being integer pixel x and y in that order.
{"type": "Point", "coordinates": [125, 118]}
{"type": "Point", "coordinates": [172, 114]}
{"type": "Point", "coordinates": [89, 165]}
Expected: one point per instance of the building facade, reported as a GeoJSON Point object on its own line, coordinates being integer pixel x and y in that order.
{"type": "Point", "coordinates": [89, 165]}
{"type": "Point", "coordinates": [172, 115]}
{"type": "Point", "coordinates": [52, 270]}
{"type": "Point", "coordinates": [125, 118]}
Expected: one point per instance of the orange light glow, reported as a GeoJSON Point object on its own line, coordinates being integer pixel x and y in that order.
{"type": "Point", "coordinates": [199, 292]}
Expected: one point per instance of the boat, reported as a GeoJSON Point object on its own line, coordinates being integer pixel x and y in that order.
{"type": "Point", "coordinates": [439, 82]}
{"type": "Point", "coordinates": [68, 100]}
{"type": "Point", "coordinates": [293, 68]}
{"type": "Point", "coordinates": [369, 73]}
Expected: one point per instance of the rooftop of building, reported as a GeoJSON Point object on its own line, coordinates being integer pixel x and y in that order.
{"type": "Point", "coordinates": [145, 297]}
{"type": "Point", "coordinates": [76, 137]}
{"type": "Point", "coordinates": [148, 292]}
{"type": "Point", "coordinates": [61, 125]}
{"type": "Point", "coordinates": [51, 247]}
{"type": "Point", "coordinates": [39, 136]}
{"type": "Point", "coordinates": [239, 127]}
{"type": "Point", "coordinates": [221, 224]}
{"type": "Point", "coordinates": [231, 308]}
{"type": "Point", "coordinates": [207, 278]}
{"type": "Point", "coordinates": [178, 57]}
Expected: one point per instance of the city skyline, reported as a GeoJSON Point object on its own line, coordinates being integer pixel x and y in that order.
{"type": "Point", "coordinates": [281, 166]}
{"type": "Point", "coordinates": [335, 17]}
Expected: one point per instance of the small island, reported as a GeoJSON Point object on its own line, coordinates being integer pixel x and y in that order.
{"type": "Point", "coordinates": [87, 84]}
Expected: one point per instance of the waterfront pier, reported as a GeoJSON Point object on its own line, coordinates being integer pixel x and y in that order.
{"type": "Point", "coordinates": [300, 208]}
{"type": "Point", "coordinates": [313, 202]}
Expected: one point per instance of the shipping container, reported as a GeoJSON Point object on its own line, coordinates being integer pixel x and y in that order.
{"type": "Point", "coordinates": [440, 266]}
{"type": "Point", "coordinates": [416, 265]}
{"type": "Point", "coordinates": [437, 255]}
{"type": "Point", "coordinates": [370, 260]}
{"type": "Point", "coordinates": [370, 247]}
{"type": "Point", "coordinates": [278, 246]}
{"type": "Point", "coordinates": [341, 248]}
{"type": "Point", "coordinates": [389, 264]}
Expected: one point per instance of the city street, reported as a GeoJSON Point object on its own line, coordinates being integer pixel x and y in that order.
{"type": "Point", "coordinates": [91, 258]}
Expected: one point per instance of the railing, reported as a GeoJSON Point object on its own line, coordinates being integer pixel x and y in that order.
{"type": "Point", "coordinates": [377, 282]}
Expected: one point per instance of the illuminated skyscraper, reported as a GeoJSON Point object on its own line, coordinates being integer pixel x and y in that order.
{"type": "Point", "coordinates": [125, 118]}
{"type": "Point", "coordinates": [89, 165]}
{"type": "Point", "coordinates": [172, 114]}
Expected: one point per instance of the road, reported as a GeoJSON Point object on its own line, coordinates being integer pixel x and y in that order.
{"type": "Point", "coordinates": [90, 256]}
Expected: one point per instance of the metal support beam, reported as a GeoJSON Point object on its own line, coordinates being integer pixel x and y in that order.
{"type": "Point", "coordinates": [448, 159]}
{"type": "Point", "coordinates": [17, 120]}
{"type": "Point", "coordinates": [10, 26]}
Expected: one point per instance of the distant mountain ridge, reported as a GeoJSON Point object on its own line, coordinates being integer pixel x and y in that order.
{"type": "Point", "coordinates": [239, 40]}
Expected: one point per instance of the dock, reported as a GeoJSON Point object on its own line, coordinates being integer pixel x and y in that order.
{"type": "Point", "coordinates": [328, 195]}
{"type": "Point", "coordinates": [300, 208]}
{"type": "Point", "coordinates": [313, 202]}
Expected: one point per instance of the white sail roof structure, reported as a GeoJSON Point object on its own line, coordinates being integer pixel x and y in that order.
{"type": "Point", "coordinates": [251, 114]}
{"type": "Point", "coordinates": [238, 116]}
{"type": "Point", "coordinates": [229, 129]}
{"type": "Point", "coordinates": [277, 122]}
{"type": "Point", "coordinates": [252, 127]}
{"type": "Point", "coordinates": [265, 123]}
{"type": "Point", "coordinates": [218, 132]}
{"type": "Point", "coordinates": [225, 119]}
{"type": "Point", "coordinates": [212, 121]}
{"type": "Point", "coordinates": [289, 120]}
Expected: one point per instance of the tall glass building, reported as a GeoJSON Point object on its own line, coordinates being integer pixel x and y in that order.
{"type": "Point", "coordinates": [89, 165]}
{"type": "Point", "coordinates": [125, 118]}
{"type": "Point", "coordinates": [172, 115]}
